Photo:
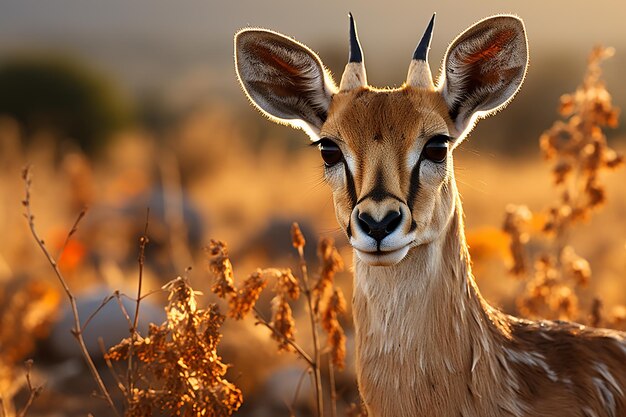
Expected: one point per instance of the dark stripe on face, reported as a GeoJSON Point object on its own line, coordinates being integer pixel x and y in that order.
{"type": "Point", "coordinates": [379, 193]}
{"type": "Point", "coordinates": [350, 186]}
{"type": "Point", "coordinates": [351, 195]}
{"type": "Point", "coordinates": [414, 184]}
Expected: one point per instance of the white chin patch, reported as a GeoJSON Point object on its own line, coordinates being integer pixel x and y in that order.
{"type": "Point", "coordinates": [383, 258]}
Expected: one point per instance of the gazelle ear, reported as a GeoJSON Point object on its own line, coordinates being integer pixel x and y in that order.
{"type": "Point", "coordinates": [284, 79]}
{"type": "Point", "coordinates": [483, 69]}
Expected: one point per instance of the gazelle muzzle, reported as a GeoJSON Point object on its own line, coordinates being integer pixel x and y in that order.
{"type": "Point", "coordinates": [381, 231]}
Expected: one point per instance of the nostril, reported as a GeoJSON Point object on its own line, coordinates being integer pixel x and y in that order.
{"type": "Point", "coordinates": [394, 221]}
{"type": "Point", "coordinates": [379, 229]}
{"type": "Point", "coordinates": [363, 225]}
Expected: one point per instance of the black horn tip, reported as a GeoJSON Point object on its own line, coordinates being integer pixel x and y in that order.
{"type": "Point", "coordinates": [421, 52]}
{"type": "Point", "coordinates": [355, 49]}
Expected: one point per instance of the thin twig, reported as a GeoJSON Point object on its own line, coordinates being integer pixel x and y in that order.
{"type": "Point", "coordinates": [143, 241]}
{"type": "Point", "coordinates": [143, 297]}
{"type": "Point", "coordinates": [316, 345]}
{"type": "Point", "coordinates": [33, 392]}
{"type": "Point", "coordinates": [297, 391]}
{"type": "Point", "coordinates": [109, 365]}
{"type": "Point", "coordinates": [149, 293]}
{"type": "Point", "coordinates": [26, 176]}
{"type": "Point", "coordinates": [299, 350]}
{"type": "Point", "coordinates": [118, 297]}
{"type": "Point", "coordinates": [73, 230]}
{"type": "Point", "coordinates": [104, 303]}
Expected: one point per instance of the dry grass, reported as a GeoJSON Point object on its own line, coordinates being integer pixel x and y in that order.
{"type": "Point", "coordinates": [325, 303]}
{"type": "Point", "coordinates": [578, 151]}
{"type": "Point", "coordinates": [178, 370]}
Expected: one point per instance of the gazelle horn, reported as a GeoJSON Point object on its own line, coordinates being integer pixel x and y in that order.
{"type": "Point", "coordinates": [419, 71]}
{"type": "Point", "coordinates": [354, 75]}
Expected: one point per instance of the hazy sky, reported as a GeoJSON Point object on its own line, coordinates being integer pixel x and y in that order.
{"type": "Point", "coordinates": [554, 21]}
{"type": "Point", "coordinates": [141, 40]}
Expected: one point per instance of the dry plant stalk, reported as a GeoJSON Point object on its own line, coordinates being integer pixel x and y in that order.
{"type": "Point", "coordinates": [7, 408]}
{"type": "Point", "coordinates": [175, 368]}
{"type": "Point", "coordinates": [178, 370]}
{"type": "Point", "coordinates": [33, 391]}
{"type": "Point", "coordinates": [131, 370]}
{"type": "Point", "coordinates": [298, 242]}
{"type": "Point", "coordinates": [77, 330]}
{"type": "Point", "coordinates": [579, 153]}
{"type": "Point", "coordinates": [324, 300]}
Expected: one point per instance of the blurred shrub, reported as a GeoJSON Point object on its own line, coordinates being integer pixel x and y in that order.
{"type": "Point", "coordinates": [27, 309]}
{"type": "Point", "coordinates": [578, 150]}
{"type": "Point", "coordinates": [62, 96]}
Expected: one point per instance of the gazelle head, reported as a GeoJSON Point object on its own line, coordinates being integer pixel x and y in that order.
{"type": "Point", "coordinates": [387, 152]}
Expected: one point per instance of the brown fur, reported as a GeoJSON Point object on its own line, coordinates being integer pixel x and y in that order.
{"type": "Point", "coordinates": [427, 344]}
{"type": "Point", "coordinates": [436, 348]}
{"type": "Point", "coordinates": [381, 127]}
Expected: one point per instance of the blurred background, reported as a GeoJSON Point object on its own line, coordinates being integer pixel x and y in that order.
{"type": "Point", "coordinates": [120, 106]}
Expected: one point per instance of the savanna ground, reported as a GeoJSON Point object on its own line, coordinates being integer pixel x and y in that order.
{"type": "Point", "coordinates": [212, 173]}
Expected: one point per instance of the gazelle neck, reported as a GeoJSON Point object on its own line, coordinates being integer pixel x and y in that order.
{"type": "Point", "coordinates": [422, 326]}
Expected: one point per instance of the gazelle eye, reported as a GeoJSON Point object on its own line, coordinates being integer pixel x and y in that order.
{"type": "Point", "coordinates": [436, 149]}
{"type": "Point", "coordinates": [331, 154]}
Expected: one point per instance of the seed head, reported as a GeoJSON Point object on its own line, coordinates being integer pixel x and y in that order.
{"type": "Point", "coordinates": [282, 322]}
{"type": "Point", "coordinates": [244, 300]}
{"type": "Point", "coordinates": [297, 238]}
{"type": "Point", "coordinates": [220, 265]}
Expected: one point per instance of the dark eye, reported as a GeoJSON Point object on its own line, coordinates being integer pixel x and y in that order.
{"type": "Point", "coordinates": [436, 149]}
{"type": "Point", "coordinates": [331, 154]}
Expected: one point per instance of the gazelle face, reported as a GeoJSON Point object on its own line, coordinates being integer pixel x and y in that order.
{"type": "Point", "coordinates": [388, 163]}
{"type": "Point", "coordinates": [387, 153]}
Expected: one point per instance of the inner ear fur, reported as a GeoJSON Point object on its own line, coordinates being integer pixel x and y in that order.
{"type": "Point", "coordinates": [283, 78]}
{"type": "Point", "coordinates": [483, 69]}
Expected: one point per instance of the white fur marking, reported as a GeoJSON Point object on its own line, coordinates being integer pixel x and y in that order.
{"type": "Point", "coordinates": [604, 371]}
{"type": "Point", "coordinates": [546, 336]}
{"type": "Point", "coordinates": [589, 412]}
{"type": "Point", "coordinates": [532, 359]}
{"type": "Point", "coordinates": [475, 360]}
{"type": "Point", "coordinates": [606, 394]}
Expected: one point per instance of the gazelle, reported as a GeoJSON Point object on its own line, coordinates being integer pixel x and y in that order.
{"type": "Point", "coordinates": [427, 343]}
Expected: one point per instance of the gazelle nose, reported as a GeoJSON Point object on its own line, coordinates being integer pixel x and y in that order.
{"type": "Point", "coordinates": [379, 229]}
